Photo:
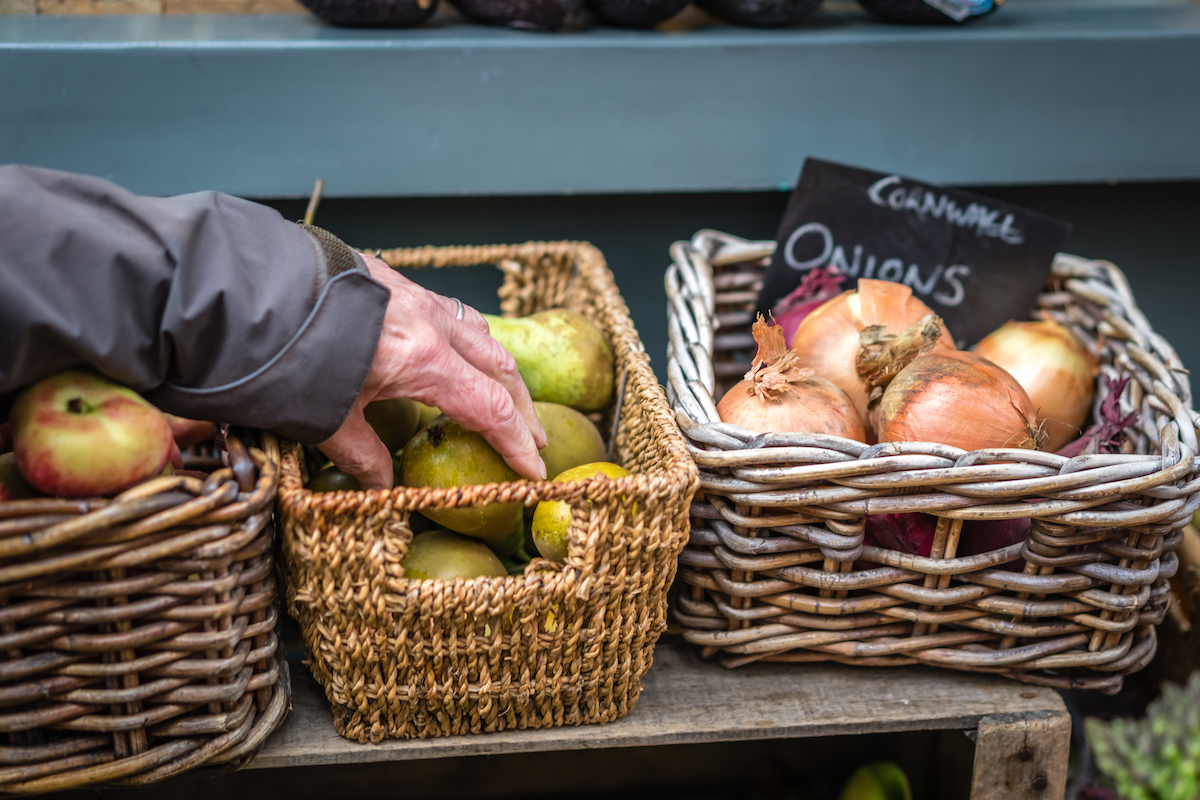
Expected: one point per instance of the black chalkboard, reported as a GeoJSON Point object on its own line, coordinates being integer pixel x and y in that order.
{"type": "Point", "coordinates": [975, 261]}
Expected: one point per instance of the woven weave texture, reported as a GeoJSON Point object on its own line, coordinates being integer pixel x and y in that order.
{"type": "Point", "coordinates": [558, 645]}
{"type": "Point", "coordinates": [779, 522]}
{"type": "Point", "coordinates": [138, 634]}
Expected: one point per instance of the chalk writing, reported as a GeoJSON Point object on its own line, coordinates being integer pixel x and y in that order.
{"type": "Point", "coordinates": [986, 221]}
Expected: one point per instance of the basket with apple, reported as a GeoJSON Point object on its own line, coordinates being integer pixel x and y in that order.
{"type": "Point", "coordinates": [455, 629]}
{"type": "Point", "coordinates": [137, 600]}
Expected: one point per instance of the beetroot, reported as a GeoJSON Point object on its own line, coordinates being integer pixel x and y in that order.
{"type": "Point", "coordinates": [985, 535]}
{"type": "Point", "coordinates": [819, 285]}
{"type": "Point", "coordinates": [913, 533]}
{"type": "Point", "coordinates": [1107, 435]}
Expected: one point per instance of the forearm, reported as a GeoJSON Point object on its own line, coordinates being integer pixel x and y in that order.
{"type": "Point", "coordinates": [212, 306]}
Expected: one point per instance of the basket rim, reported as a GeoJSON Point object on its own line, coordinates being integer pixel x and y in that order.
{"type": "Point", "coordinates": [759, 248]}
{"type": "Point", "coordinates": [677, 469]}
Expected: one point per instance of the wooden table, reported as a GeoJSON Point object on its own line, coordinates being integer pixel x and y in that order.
{"type": "Point", "coordinates": [1022, 732]}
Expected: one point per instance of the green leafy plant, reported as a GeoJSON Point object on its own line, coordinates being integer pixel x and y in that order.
{"type": "Point", "coordinates": [1156, 757]}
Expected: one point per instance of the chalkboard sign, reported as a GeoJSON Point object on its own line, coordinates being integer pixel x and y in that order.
{"type": "Point", "coordinates": [975, 261]}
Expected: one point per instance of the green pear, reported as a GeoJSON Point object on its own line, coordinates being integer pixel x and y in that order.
{"type": "Point", "coordinates": [882, 780]}
{"type": "Point", "coordinates": [444, 455]}
{"type": "Point", "coordinates": [426, 414]}
{"type": "Point", "coordinates": [563, 357]}
{"type": "Point", "coordinates": [573, 440]}
{"type": "Point", "coordinates": [444, 555]}
{"type": "Point", "coordinates": [332, 479]}
{"type": "Point", "coordinates": [394, 421]}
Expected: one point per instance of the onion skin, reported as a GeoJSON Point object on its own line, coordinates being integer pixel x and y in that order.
{"type": "Point", "coordinates": [780, 396]}
{"type": "Point", "coordinates": [827, 340]}
{"type": "Point", "coordinates": [958, 399]}
{"type": "Point", "coordinates": [1053, 367]}
{"type": "Point", "coordinates": [813, 406]}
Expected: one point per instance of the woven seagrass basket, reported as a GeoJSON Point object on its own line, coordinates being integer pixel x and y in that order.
{"type": "Point", "coordinates": [558, 645]}
{"type": "Point", "coordinates": [138, 634]}
{"type": "Point", "coordinates": [769, 572]}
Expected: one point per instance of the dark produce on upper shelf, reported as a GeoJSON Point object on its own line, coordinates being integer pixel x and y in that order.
{"type": "Point", "coordinates": [636, 13]}
{"type": "Point", "coordinates": [373, 13]}
{"type": "Point", "coordinates": [539, 15]}
{"type": "Point", "coordinates": [760, 13]}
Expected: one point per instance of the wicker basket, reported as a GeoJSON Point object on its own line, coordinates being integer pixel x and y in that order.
{"type": "Point", "coordinates": [558, 645]}
{"type": "Point", "coordinates": [138, 633]}
{"type": "Point", "coordinates": [779, 522]}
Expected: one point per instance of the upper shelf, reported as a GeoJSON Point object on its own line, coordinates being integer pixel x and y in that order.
{"type": "Point", "coordinates": [1043, 91]}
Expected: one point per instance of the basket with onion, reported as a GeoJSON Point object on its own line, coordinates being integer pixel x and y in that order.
{"type": "Point", "coordinates": [872, 495]}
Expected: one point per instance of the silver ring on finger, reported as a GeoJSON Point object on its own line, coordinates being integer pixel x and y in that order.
{"type": "Point", "coordinates": [459, 315]}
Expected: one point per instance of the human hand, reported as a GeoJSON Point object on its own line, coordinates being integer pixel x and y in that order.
{"type": "Point", "coordinates": [425, 354]}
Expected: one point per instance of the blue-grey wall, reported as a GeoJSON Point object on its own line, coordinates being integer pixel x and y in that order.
{"type": "Point", "coordinates": [1150, 230]}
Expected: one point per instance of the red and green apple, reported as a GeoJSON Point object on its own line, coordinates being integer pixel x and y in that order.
{"type": "Point", "coordinates": [80, 435]}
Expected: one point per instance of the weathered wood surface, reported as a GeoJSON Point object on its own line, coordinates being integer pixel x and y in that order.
{"type": "Point", "coordinates": [100, 7]}
{"type": "Point", "coordinates": [1022, 756]}
{"type": "Point", "coordinates": [686, 700]}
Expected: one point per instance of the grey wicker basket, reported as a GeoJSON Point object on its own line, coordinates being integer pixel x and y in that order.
{"type": "Point", "coordinates": [769, 572]}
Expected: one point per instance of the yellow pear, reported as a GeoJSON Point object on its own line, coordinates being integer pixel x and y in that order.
{"type": "Point", "coordinates": [552, 519]}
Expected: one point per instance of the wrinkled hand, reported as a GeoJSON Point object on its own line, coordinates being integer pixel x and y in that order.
{"type": "Point", "coordinates": [425, 354]}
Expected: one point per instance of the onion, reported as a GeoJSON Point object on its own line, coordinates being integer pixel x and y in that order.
{"type": "Point", "coordinates": [956, 398]}
{"type": "Point", "coordinates": [1053, 367]}
{"type": "Point", "coordinates": [778, 395]}
{"type": "Point", "coordinates": [827, 341]}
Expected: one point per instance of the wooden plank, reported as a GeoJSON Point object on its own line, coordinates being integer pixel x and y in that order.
{"type": "Point", "coordinates": [1022, 756]}
{"type": "Point", "coordinates": [18, 7]}
{"type": "Point", "coordinates": [233, 7]}
{"type": "Point", "coordinates": [686, 701]}
{"type": "Point", "coordinates": [93, 7]}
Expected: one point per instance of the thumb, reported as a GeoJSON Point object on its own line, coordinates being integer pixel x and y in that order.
{"type": "Point", "coordinates": [356, 450]}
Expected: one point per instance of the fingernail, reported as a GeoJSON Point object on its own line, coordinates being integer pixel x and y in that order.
{"type": "Point", "coordinates": [542, 468]}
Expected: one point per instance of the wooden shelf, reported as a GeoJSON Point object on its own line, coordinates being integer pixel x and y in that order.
{"type": "Point", "coordinates": [688, 701]}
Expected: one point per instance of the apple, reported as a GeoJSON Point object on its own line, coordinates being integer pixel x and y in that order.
{"type": "Point", "coordinates": [188, 432]}
{"type": "Point", "coordinates": [80, 435]}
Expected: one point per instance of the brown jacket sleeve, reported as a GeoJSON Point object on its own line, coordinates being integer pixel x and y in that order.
{"type": "Point", "coordinates": [213, 307]}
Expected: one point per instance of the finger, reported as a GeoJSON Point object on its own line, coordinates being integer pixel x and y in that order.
{"type": "Point", "coordinates": [471, 317]}
{"type": "Point", "coordinates": [356, 450]}
{"type": "Point", "coordinates": [488, 356]}
{"type": "Point", "coordinates": [481, 404]}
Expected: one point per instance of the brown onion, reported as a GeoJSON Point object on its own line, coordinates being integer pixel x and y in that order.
{"type": "Point", "coordinates": [1053, 367]}
{"type": "Point", "coordinates": [779, 395]}
{"type": "Point", "coordinates": [956, 398]}
{"type": "Point", "coordinates": [827, 341]}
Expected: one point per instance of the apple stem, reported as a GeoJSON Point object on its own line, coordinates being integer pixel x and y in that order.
{"type": "Point", "coordinates": [75, 405]}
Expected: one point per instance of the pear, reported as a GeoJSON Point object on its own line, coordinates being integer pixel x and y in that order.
{"type": "Point", "coordinates": [882, 780]}
{"type": "Point", "coordinates": [562, 356]}
{"type": "Point", "coordinates": [394, 421]}
{"type": "Point", "coordinates": [552, 519]}
{"type": "Point", "coordinates": [444, 555]}
{"type": "Point", "coordinates": [443, 455]}
{"type": "Point", "coordinates": [426, 414]}
{"type": "Point", "coordinates": [573, 440]}
{"type": "Point", "coordinates": [332, 479]}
